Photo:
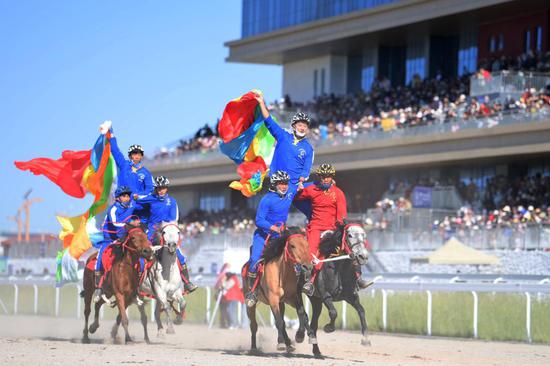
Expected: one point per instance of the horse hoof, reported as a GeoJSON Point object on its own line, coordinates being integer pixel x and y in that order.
{"type": "Point", "coordinates": [281, 347]}
{"type": "Point", "coordinates": [86, 340]}
{"type": "Point", "coordinates": [129, 340]}
{"type": "Point", "coordinates": [170, 331]}
{"type": "Point", "coordinates": [290, 348]}
{"type": "Point", "coordinates": [329, 328]}
{"type": "Point", "coordinates": [147, 340]}
{"type": "Point", "coordinates": [299, 337]}
{"type": "Point", "coordinates": [254, 352]}
{"type": "Point", "coordinates": [318, 356]}
{"type": "Point", "coordinates": [160, 333]}
{"type": "Point", "coordinates": [178, 320]}
{"type": "Point", "coordinates": [312, 340]}
{"type": "Point", "coordinates": [365, 342]}
{"type": "Point", "coordinates": [93, 328]}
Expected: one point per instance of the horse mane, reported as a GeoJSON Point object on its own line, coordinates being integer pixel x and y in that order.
{"type": "Point", "coordinates": [275, 247]}
{"type": "Point", "coordinates": [331, 242]}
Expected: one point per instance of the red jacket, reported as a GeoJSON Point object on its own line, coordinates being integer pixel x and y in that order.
{"type": "Point", "coordinates": [328, 206]}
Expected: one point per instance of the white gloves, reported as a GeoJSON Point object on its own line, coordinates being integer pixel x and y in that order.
{"type": "Point", "coordinates": [105, 127]}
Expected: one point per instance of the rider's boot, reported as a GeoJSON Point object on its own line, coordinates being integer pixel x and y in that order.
{"type": "Point", "coordinates": [308, 288]}
{"type": "Point", "coordinates": [361, 283]}
{"type": "Point", "coordinates": [98, 291]}
{"type": "Point", "coordinates": [187, 284]}
{"type": "Point", "coordinates": [251, 298]}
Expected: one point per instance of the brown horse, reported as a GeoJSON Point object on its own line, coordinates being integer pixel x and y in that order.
{"type": "Point", "coordinates": [122, 282]}
{"type": "Point", "coordinates": [279, 285]}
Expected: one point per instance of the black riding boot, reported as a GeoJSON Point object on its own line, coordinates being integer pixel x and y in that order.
{"type": "Point", "coordinates": [361, 283]}
{"type": "Point", "coordinates": [187, 284]}
{"type": "Point", "coordinates": [308, 288]}
{"type": "Point", "coordinates": [251, 298]}
{"type": "Point", "coordinates": [98, 291]}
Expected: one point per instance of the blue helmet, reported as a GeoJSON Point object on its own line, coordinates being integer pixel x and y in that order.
{"type": "Point", "coordinates": [122, 190]}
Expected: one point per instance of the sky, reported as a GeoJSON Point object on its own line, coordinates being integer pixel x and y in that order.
{"type": "Point", "coordinates": [155, 68]}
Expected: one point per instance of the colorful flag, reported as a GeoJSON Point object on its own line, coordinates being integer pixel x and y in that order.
{"type": "Point", "coordinates": [77, 173]}
{"type": "Point", "coordinates": [246, 141]}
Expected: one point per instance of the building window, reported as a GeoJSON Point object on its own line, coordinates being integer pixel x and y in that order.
{"type": "Point", "coordinates": [315, 90]}
{"type": "Point", "coordinates": [538, 35]}
{"type": "Point", "coordinates": [367, 78]}
{"type": "Point", "coordinates": [467, 61]}
{"type": "Point", "coordinates": [415, 66]}
{"type": "Point", "coordinates": [501, 42]}
{"type": "Point", "coordinates": [492, 44]}
{"type": "Point", "coordinates": [212, 202]}
{"type": "Point", "coordinates": [527, 40]}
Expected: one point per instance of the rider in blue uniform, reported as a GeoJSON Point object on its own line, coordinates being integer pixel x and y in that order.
{"type": "Point", "coordinates": [130, 173]}
{"type": "Point", "coordinates": [160, 207]}
{"type": "Point", "coordinates": [271, 216]}
{"type": "Point", "coordinates": [293, 152]}
{"type": "Point", "coordinates": [118, 215]}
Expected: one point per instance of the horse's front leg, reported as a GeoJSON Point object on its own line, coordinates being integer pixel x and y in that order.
{"type": "Point", "coordinates": [143, 316]}
{"type": "Point", "coordinates": [316, 307]}
{"type": "Point", "coordinates": [162, 304]}
{"type": "Point", "coordinates": [274, 301]}
{"type": "Point", "coordinates": [251, 312]}
{"type": "Point", "coordinates": [354, 301]}
{"type": "Point", "coordinates": [304, 322]}
{"type": "Point", "coordinates": [121, 303]}
{"type": "Point", "coordinates": [332, 313]}
{"type": "Point", "coordinates": [288, 342]}
{"type": "Point", "coordinates": [95, 324]}
{"type": "Point", "coordinates": [178, 296]}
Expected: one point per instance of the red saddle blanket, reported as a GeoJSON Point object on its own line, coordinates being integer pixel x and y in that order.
{"type": "Point", "coordinates": [107, 258]}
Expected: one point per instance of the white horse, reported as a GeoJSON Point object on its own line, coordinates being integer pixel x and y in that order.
{"type": "Point", "coordinates": [163, 280]}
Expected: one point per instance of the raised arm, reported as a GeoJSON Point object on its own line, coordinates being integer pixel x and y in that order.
{"type": "Point", "coordinates": [273, 127]}
{"type": "Point", "coordinates": [310, 156]}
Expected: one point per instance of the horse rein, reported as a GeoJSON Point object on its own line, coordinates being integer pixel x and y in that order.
{"type": "Point", "coordinates": [288, 254]}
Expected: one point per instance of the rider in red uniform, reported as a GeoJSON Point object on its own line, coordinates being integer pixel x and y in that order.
{"type": "Point", "coordinates": [329, 209]}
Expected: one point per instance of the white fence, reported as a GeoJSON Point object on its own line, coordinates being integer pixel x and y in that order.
{"type": "Point", "coordinates": [540, 288]}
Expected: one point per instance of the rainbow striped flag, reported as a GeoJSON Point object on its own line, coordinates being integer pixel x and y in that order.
{"type": "Point", "coordinates": [246, 141]}
{"type": "Point", "coordinates": [77, 173]}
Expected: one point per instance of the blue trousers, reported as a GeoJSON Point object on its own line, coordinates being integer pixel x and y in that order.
{"type": "Point", "coordinates": [258, 244]}
{"type": "Point", "coordinates": [181, 257]}
{"type": "Point", "coordinates": [99, 263]}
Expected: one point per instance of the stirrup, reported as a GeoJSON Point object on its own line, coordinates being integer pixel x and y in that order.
{"type": "Point", "coordinates": [98, 293]}
{"type": "Point", "coordinates": [190, 287]}
{"type": "Point", "coordinates": [308, 289]}
{"type": "Point", "coordinates": [251, 299]}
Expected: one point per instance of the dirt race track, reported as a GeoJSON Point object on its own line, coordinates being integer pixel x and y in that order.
{"type": "Point", "coordinates": [26, 340]}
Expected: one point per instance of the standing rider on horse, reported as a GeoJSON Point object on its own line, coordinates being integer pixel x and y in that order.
{"type": "Point", "coordinates": [270, 218]}
{"type": "Point", "coordinates": [293, 153]}
{"type": "Point", "coordinates": [160, 207]}
{"type": "Point", "coordinates": [329, 211]}
{"type": "Point", "coordinates": [118, 215]}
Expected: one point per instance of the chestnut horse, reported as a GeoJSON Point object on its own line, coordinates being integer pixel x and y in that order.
{"type": "Point", "coordinates": [122, 281]}
{"type": "Point", "coordinates": [279, 285]}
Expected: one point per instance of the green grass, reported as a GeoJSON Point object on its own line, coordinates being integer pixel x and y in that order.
{"type": "Point", "coordinates": [500, 316]}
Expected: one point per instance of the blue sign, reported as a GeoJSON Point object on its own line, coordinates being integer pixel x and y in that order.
{"type": "Point", "coordinates": [422, 197]}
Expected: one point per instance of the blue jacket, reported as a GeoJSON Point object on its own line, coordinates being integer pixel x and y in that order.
{"type": "Point", "coordinates": [116, 218]}
{"type": "Point", "coordinates": [294, 156]}
{"type": "Point", "coordinates": [273, 210]}
{"type": "Point", "coordinates": [137, 177]}
{"type": "Point", "coordinates": [158, 209]}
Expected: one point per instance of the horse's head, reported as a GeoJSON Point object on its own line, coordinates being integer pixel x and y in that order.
{"type": "Point", "coordinates": [355, 238]}
{"type": "Point", "coordinates": [170, 234]}
{"type": "Point", "coordinates": [297, 247]}
{"type": "Point", "coordinates": [136, 240]}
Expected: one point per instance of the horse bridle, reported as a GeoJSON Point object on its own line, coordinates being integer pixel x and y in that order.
{"type": "Point", "coordinates": [344, 246]}
{"type": "Point", "coordinates": [125, 245]}
{"type": "Point", "coordinates": [162, 242]}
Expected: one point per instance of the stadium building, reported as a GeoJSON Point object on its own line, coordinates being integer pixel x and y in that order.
{"type": "Point", "coordinates": [344, 46]}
